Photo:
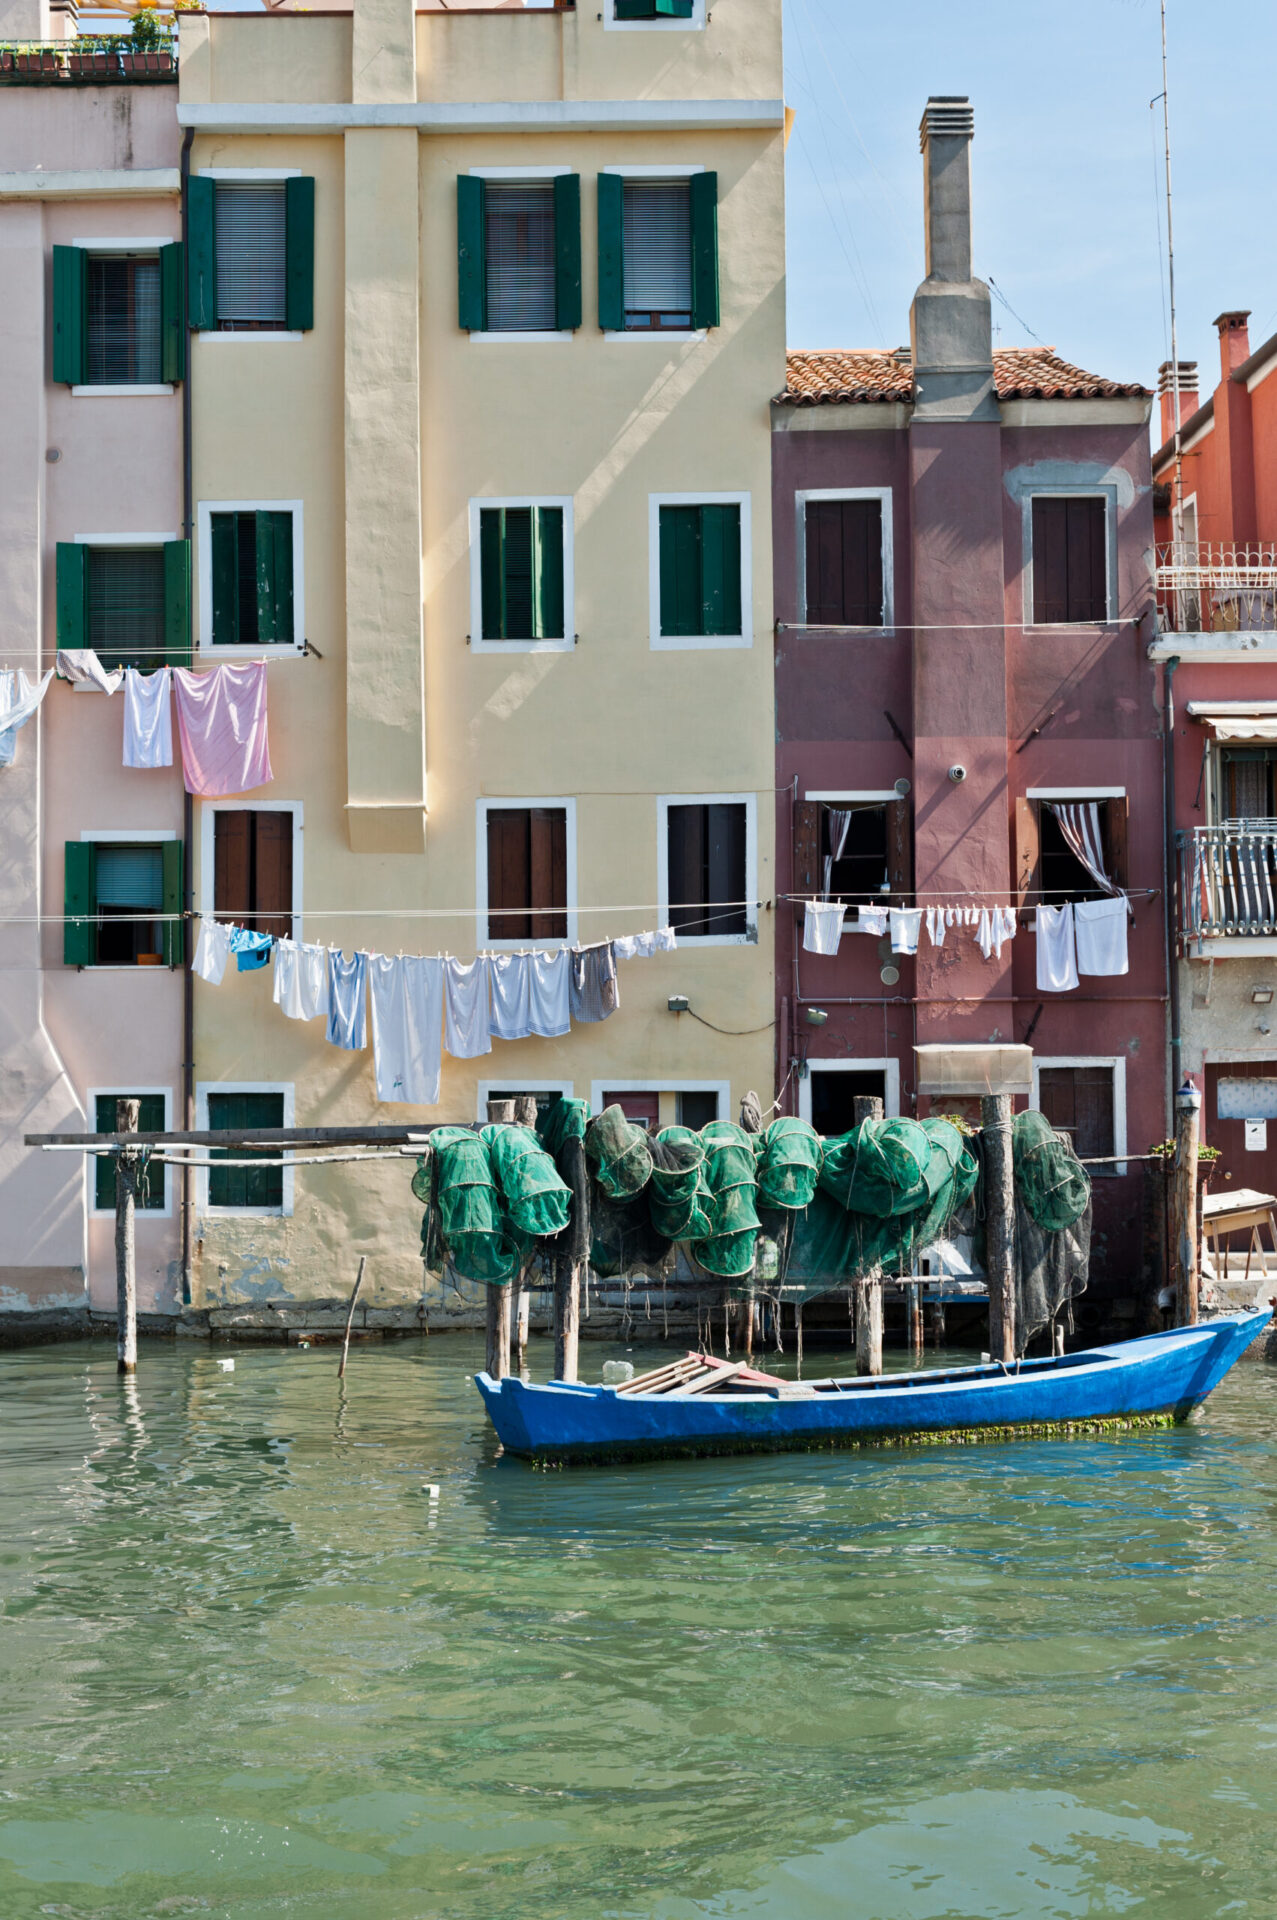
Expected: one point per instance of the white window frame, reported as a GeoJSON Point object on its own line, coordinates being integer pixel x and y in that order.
{"type": "Point", "coordinates": [659, 642]}
{"type": "Point", "coordinates": [202, 1091]}
{"type": "Point", "coordinates": [664, 801]}
{"type": "Point", "coordinates": [621, 1082]}
{"type": "Point", "coordinates": [208, 858]}
{"type": "Point", "coordinates": [533, 335]}
{"type": "Point", "coordinates": [503, 805]}
{"type": "Point", "coordinates": [678, 170]}
{"type": "Point", "coordinates": [567, 640]}
{"type": "Point", "coordinates": [142, 246]}
{"type": "Point", "coordinates": [488, 1090]}
{"type": "Point", "coordinates": [885, 1065]}
{"type": "Point", "coordinates": [695, 24]}
{"type": "Point", "coordinates": [1117, 1062]}
{"type": "Point", "coordinates": [884, 497]}
{"type": "Point", "coordinates": [1081, 490]}
{"type": "Point", "coordinates": [248, 176]}
{"type": "Point", "coordinates": [91, 1096]}
{"type": "Point", "coordinates": [1075, 793]}
{"type": "Point", "coordinates": [865, 796]}
{"type": "Point", "coordinates": [204, 644]}
{"type": "Point", "coordinates": [129, 837]}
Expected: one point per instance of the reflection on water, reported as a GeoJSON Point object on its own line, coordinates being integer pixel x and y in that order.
{"type": "Point", "coordinates": [250, 1668]}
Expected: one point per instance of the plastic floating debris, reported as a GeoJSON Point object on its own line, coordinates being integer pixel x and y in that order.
{"type": "Point", "coordinates": [227, 1366]}
{"type": "Point", "coordinates": [617, 1371]}
{"type": "Point", "coordinates": [431, 1493]}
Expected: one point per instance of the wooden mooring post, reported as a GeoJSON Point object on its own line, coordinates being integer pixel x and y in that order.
{"type": "Point", "coordinates": [567, 1317]}
{"type": "Point", "coordinates": [866, 1106]}
{"type": "Point", "coordinates": [999, 1223]}
{"type": "Point", "coordinates": [496, 1359]}
{"type": "Point", "coordinates": [126, 1170]}
{"type": "Point", "coordinates": [1188, 1119]}
{"type": "Point", "coordinates": [913, 1298]}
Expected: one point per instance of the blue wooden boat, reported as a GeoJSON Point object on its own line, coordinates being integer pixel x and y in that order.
{"type": "Point", "coordinates": [1150, 1382]}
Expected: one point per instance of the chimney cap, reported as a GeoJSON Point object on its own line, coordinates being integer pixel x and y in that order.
{"type": "Point", "coordinates": [1227, 322]}
{"type": "Point", "coordinates": [1187, 377]}
{"type": "Point", "coordinates": [946, 116]}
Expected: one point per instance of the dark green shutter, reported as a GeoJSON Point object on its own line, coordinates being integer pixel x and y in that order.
{"type": "Point", "coordinates": [72, 576]}
{"type": "Point", "coordinates": [472, 293]}
{"type": "Point", "coordinates": [224, 567]}
{"type": "Point", "coordinates": [567, 250]}
{"type": "Point", "coordinates": [150, 1119]}
{"type": "Point", "coordinates": [547, 573]}
{"type": "Point", "coordinates": [70, 315]}
{"type": "Point", "coordinates": [634, 10]}
{"type": "Point", "coordinates": [177, 602]}
{"type": "Point", "coordinates": [674, 9]}
{"type": "Point", "coordinates": [492, 572]}
{"type": "Point", "coordinates": [680, 544]}
{"type": "Point", "coordinates": [201, 264]}
{"type": "Point", "coordinates": [704, 249]}
{"type": "Point", "coordinates": [611, 253]}
{"type": "Point", "coordinates": [79, 902]}
{"type": "Point", "coordinates": [299, 254]}
{"type": "Point", "coordinates": [172, 320]}
{"type": "Point", "coordinates": [720, 570]}
{"type": "Point", "coordinates": [274, 545]}
{"type": "Point", "coordinates": [173, 939]}
{"type": "Point", "coordinates": [244, 1186]}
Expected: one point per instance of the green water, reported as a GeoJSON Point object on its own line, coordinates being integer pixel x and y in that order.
{"type": "Point", "coordinates": [250, 1669]}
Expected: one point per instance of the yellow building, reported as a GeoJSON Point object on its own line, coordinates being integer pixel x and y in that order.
{"type": "Point", "coordinates": [489, 309]}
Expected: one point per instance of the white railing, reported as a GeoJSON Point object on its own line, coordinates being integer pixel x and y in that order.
{"type": "Point", "coordinates": [1228, 879]}
{"type": "Point", "coordinates": [1213, 587]}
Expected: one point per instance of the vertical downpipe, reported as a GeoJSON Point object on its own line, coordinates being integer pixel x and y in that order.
{"type": "Point", "coordinates": [1171, 888]}
{"type": "Point", "coordinates": [188, 805]}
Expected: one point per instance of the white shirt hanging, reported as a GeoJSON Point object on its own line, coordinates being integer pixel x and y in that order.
{"type": "Point", "coordinates": [1057, 951]}
{"type": "Point", "coordinates": [1100, 927]}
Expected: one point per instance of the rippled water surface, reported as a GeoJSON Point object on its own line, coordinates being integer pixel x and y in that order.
{"type": "Point", "coordinates": [250, 1668]}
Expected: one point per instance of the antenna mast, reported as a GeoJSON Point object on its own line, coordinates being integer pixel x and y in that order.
{"type": "Point", "coordinates": [1170, 270]}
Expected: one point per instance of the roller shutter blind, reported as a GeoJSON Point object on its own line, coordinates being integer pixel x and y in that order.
{"type": "Point", "coordinates": [250, 230]}
{"type": "Point", "coordinates": [69, 315]}
{"type": "Point", "coordinates": [657, 253]}
{"type": "Point", "coordinates": [519, 256]}
{"type": "Point", "coordinates": [124, 345]}
{"type": "Point", "coordinates": [127, 613]}
{"type": "Point", "coordinates": [150, 1119]}
{"type": "Point", "coordinates": [261, 1188]}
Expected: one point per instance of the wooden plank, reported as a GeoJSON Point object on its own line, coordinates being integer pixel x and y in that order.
{"type": "Point", "coordinates": [715, 1379]}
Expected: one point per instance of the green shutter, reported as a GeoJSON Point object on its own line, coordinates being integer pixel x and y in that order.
{"type": "Point", "coordinates": [611, 254]}
{"type": "Point", "coordinates": [492, 571]}
{"type": "Point", "coordinates": [260, 1187]}
{"type": "Point", "coordinates": [472, 293]}
{"type": "Point", "coordinates": [704, 249]}
{"type": "Point", "coordinates": [72, 575]}
{"type": "Point", "coordinates": [150, 1119]}
{"type": "Point", "coordinates": [201, 263]}
{"type": "Point", "coordinates": [172, 319]}
{"type": "Point", "coordinates": [274, 541]}
{"type": "Point", "coordinates": [547, 573]}
{"type": "Point", "coordinates": [567, 250]}
{"type": "Point", "coordinates": [79, 933]}
{"type": "Point", "coordinates": [674, 9]}
{"type": "Point", "coordinates": [225, 574]}
{"type": "Point", "coordinates": [681, 594]}
{"type": "Point", "coordinates": [70, 315]}
{"type": "Point", "coordinates": [299, 254]}
{"type": "Point", "coordinates": [177, 602]}
{"type": "Point", "coordinates": [634, 10]}
{"type": "Point", "coordinates": [720, 570]}
{"type": "Point", "coordinates": [174, 931]}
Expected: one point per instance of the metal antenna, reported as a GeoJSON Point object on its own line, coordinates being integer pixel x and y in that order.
{"type": "Point", "coordinates": [1170, 274]}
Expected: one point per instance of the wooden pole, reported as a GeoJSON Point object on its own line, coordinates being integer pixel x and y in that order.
{"type": "Point", "coordinates": [522, 1321]}
{"type": "Point", "coordinates": [936, 1312]}
{"type": "Point", "coordinates": [868, 1290]}
{"type": "Point", "coordinates": [798, 1332]}
{"type": "Point", "coordinates": [999, 1223]}
{"type": "Point", "coordinates": [499, 1311]}
{"type": "Point", "coordinates": [1057, 1337]}
{"type": "Point", "coordinates": [1188, 1119]}
{"type": "Point", "coordinates": [126, 1166]}
{"type": "Point", "coordinates": [350, 1315]}
{"type": "Point", "coordinates": [913, 1295]}
{"type": "Point", "coordinates": [567, 1318]}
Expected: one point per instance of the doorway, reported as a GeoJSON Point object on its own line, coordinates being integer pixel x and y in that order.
{"type": "Point", "coordinates": [826, 1096]}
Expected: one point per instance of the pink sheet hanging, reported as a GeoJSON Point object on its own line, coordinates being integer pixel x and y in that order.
{"type": "Point", "coordinates": [221, 718]}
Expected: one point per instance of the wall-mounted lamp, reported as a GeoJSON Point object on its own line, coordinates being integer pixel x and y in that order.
{"type": "Point", "coordinates": [679, 1003]}
{"type": "Point", "coordinates": [815, 1016]}
{"type": "Point", "coordinates": [1262, 997]}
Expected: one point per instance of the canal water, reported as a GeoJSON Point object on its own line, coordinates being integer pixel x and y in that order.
{"type": "Point", "coordinates": [274, 1651]}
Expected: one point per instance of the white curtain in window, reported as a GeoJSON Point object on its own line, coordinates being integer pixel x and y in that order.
{"type": "Point", "coordinates": [1080, 824]}
{"type": "Point", "coordinates": [250, 234]}
{"type": "Point", "coordinates": [658, 246]}
{"type": "Point", "coordinates": [837, 826]}
{"type": "Point", "coordinates": [519, 255]}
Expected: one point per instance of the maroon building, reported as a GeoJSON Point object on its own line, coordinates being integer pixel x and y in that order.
{"type": "Point", "coordinates": [967, 720]}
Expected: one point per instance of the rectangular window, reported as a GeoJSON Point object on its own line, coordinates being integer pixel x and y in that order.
{"type": "Point", "coordinates": [253, 868]}
{"type": "Point", "coordinates": [708, 869]}
{"type": "Point", "coordinates": [253, 1189]}
{"type": "Point", "coordinates": [521, 572]}
{"type": "Point", "coordinates": [658, 251]}
{"type": "Point", "coordinates": [1079, 1101]}
{"type": "Point", "coordinates": [124, 321]}
{"type": "Point", "coordinates": [701, 591]}
{"type": "Point", "coordinates": [844, 563]}
{"type": "Point", "coordinates": [1248, 783]}
{"type": "Point", "coordinates": [252, 254]}
{"type": "Point", "coordinates": [519, 253]}
{"type": "Point", "coordinates": [123, 904]}
{"type": "Point", "coordinates": [126, 605]}
{"type": "Point", "coordinates": [527, 873]}
{"type": "Point", "coordinates": [652, 9]}
{"type": "Point", "coordinates": [696, 1109]}
{"type": "Point", "coordinates": [251, 562]}
{"type": "Point", "coordinates": [151, 1119]}
{"type": "Point", "coordinates": [854, 856]}
{"type": "Point", "coordinates": [1070, 559]}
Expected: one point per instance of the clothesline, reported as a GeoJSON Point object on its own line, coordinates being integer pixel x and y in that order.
{"type": "Point", "coordinates": [156, 918]}
{"type": "Point", "coordinates": [996, 895]}
{"type": "Point", "coordinates": [957, 626]}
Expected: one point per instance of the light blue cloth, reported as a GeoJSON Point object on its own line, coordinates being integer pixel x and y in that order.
{"type": "Point", "coordinates": [250, 949]}
{"type": "Point", "coordinates": [347, 1000]}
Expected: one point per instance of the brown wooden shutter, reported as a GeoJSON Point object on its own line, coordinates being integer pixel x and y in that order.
{"type": "Point", "coordinates": [824, 563]}
{"type": "Point", "coordinates": [1026, 848]}
{"type": "Point", "coordinates": [900, 845]}
{"type": "Point", "coordinates": [508, 873]}
{"type": "Point", "coordinates": [844, 563]}
{"type": "Point", "coordinates": [1050, 562]}
{"type": "Point", "coordinates": [1088, 574]}
{"type": "Point", "coordinates": [273, 873]}
{"type": "Point", "coordinates": [233, 866]}
{"type": "Point", "coordinates": [1115, 825]}
{"type": "Point", "coordinates": [548, 873]}
{"type": "Point", "coordinates": [808, 867]}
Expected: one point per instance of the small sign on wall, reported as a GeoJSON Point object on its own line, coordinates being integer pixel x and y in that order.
{"type": "Point", "coordinates": [1256, 1135]}
{"type": "Point", "coordinates": [1239, 1099]}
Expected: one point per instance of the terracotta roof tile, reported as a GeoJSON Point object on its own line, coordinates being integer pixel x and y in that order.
{"type": "Point", "coordinates": [856, 375]}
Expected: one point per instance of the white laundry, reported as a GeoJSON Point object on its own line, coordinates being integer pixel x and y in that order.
{"type": "Point", "coordinates": [81, 666]}
{"type": "Point", "coordinates": [1057, 951]}
{"type": "Point", "coordinates": [666, 940]}
{"type": "Point", "coordinates": [996, 927]}
{"type": "Point", "coordinates": [467, 1022]}
{"type": "Point", "coordinates": [212, 950]}
{"type": "Point", "coordinates": [148, 718]}
{"type": "Point", "coordinates": [550, 992]}
{"type": "Point", "coordinates": [20, 697]}
{"type": "Point", "coordinates": [906, 924]}
{"type": "Point", "coordinates": [510, 982]}
{"type": "Point", "coordinates": [822, 925]}
{"type": "Point", "coordinates": [301, 980]}
{"type": "Point", "coordinates": [407, 1027]}
{"type": "Point", "coordinates": [1100, 927]}
{"type": "Point", "coordinates": [873, 920]}
{"type": "Point", "coordinates": [937, 920]}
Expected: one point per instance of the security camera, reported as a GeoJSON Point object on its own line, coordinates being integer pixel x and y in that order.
{"type": "Point", "coordinates": [957, 775]}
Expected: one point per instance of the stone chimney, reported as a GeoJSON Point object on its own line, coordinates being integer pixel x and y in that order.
{"type": "Point", "coordinates": [1234, 341]}
{"type": "Point", "coordinates": [950, 322]}
{"type": "Point", "coordinates": [1188, 401]}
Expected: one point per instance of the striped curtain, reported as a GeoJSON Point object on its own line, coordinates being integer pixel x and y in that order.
{"type": "Point", "coordinates": [1080, 824]}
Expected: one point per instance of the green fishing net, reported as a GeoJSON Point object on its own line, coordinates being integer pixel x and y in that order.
{"type": "Point", "coordinates": [1050, 1179]}
{"type": "Point", "coordinates": [790, 1155]}
{"type": "Point", "coordinates": [561, 1121]}
{"type": "Point", "coordinates": [472, 1218]}
{"type": "Point", "coordinates": [678, 1195]}
{"type": "Point", "coordinates": [537, 1203]}
{"type": "Point", "coordinates": [730, 1175]}
{"type": "Point", "coordinates": [618, 1152]}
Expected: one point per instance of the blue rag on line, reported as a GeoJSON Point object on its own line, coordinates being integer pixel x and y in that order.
{"type": "Point", "coordinates": [250, 949]}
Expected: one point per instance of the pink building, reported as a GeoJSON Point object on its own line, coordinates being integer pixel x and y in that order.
{"type": "Point", "coordinates": [961, 543]}
{"type": "Point", "coordinates": [91, 545]}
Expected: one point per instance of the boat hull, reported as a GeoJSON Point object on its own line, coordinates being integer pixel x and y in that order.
{"type": "Point", "coordinates": [1154, 1381]}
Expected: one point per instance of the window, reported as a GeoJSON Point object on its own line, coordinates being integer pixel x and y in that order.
{"type": "Point", "coordinates": [1085, 1099]}
{"type": "Point", "coordinates": [525, 867]}
{"type": "Point", "coordinates": [519, 252]}
{"type": "Point", "coordinates": [662, 12]}
{"type": "Point", "coordinates": [1247, 783]}
{"type": "Point", "coordinates": [853, 850]}
{"type": "Point", "coordinates": [1053, 828]}
{"type": "Point", "coordinates": [245, 1189]}
{"type": "Point", "coordinates": [658, 251]}
{"type": "Point", "coordinates": [828, 1091]}
{"type": "Point", "coordinates": [709, 861]}
{"type": "Point", "coordinates": [700, 581]}
{"type": "Point", "coordinates": [1070, 558]}
{"type": "Point", "coordinates": [640, 1109]}
{"type": "Point", "coordinates": [520, 573]}
{"type": "Point", "coordinates": [251, 575]}
{"type": "Point", "coordinates": [844, 550]}
{"type": "Point", "coordinates": [132, 605]}
{"type": "Point", "coordinates": [544, 1092]}
{"type": "Point", "coordinates": [123, 903]}
{"type": "Point", "coordinates": [117, 315]}
{"type": "Point", "coordinates": [652, 1104]}
{"type": "Point", "coordinates": [696, 1108]}
{"type": "Point", "coordinates": [252, 246]}
{"type": "Point", "coordinates": [253, 868]}
{"type": "Point", "coordinates": [152, 1195]}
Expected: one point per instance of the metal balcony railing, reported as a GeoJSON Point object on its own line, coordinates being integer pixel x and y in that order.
{"type": "Point", "coordinates": [1206, 587]}
{"type": "Point", "coordinates": [1228, 879]}
{"type": "Point", "coordinates": [87, 60]}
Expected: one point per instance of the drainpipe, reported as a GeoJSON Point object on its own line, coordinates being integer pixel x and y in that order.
{"type": "Point", "coordinates": [188, 804]}
{"type": "Point", "coordinates": [1168, 857]}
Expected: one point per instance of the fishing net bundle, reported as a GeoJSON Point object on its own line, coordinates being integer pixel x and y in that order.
{"type": "Point", "coordinates": [1052, 1225]}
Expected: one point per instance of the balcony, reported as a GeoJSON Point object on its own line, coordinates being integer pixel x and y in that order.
{"type": "Point", "coordinates": [89, 60]}
{"type": "Point", "coordinates": [1216, 602]}
{"type": "Point", "coordinates": [1228, 888]}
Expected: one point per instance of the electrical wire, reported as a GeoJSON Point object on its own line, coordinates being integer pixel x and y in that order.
{"type": "Point", "coordinates": [731, 1033]}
